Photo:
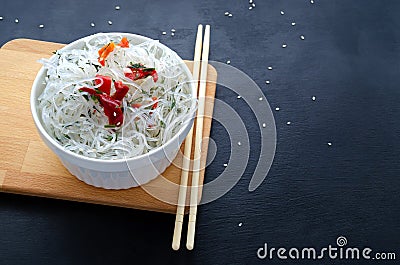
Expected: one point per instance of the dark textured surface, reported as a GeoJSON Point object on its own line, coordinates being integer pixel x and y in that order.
{"type": "Point", "coordinates": [349, 60]}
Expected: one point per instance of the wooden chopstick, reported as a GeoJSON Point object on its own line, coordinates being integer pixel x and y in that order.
{"type": "Point", "coordinates": [198, 139]}
{"type": "Point", "coordinates": [180, 210]}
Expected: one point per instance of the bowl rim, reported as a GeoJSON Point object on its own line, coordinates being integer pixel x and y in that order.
{"type": "Point", "coordinates": [43, 132]}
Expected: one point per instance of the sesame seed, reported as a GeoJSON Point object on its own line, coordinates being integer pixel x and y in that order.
{"type": "Point", "coordinates": [312, 1]}
{"type": "Point", "coordinates": [239, 143]}
{"type": "Point", "coordinates": [226, 13]}
{"type": "Point", "coordinates": [239, 97]}
{"type": "Point", "coordinates": [225, 165]}
{"type": "Point", "coordinates": [250, 7]}
{"type": "Point", "coordinates": [269, 67]}
{"type": "Point", "coordinates": [302, 37]}
{"type": "Point", "coordinates": [293, 23]}
{"type": "Point", "coordinates": [164, 33]}
{"type": "Point", "coordinates": [288, 123]}
{"type": "Point", "coordinates": [173, 30]}
{"type": "Point", "coordinates": [277, 108]}
{"type": "Point", "coordinates": [41, 26]}
{"type": "Point", "coordinates": [260, 99]}
{"type": "Point", "coordinates": [250, 1]}
{"type": "Point", "coordinates": [172, 34]}
{"type": "Point", "coordinates": [267, 82]}
{"type": "Point", "coordinates": [16, 20]}
{"type": "Point", "coordinates": [92, 24]}
{"type": "Point", "coordinates": [264, 125]}
{"type": "Point", "coordinates": [254, 5]}
{"type": "Point", "coordinates": [282, 13]}
{"type": "Point", "coordinates": [1, 18]}
{"type": "Point", "coordinates": [313, 98]}
{"type": "Point", "coordinates": [240, 224]}
{"type": "Point", "coordinates": [329, 143]}
{"type": "Point", "coordinates": [117, 7]}
{"type": "Point", "coordinates": [230, 15]}
{"type": "Point", "coordinates": [228, 62]}
{"type": "Point", "coordinates": [284, 45]}
{"type": "Point", "coordinates": [109, 22]}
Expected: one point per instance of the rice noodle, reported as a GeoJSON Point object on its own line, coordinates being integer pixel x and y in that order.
{"type": "Point", "coordinates": [78, 122]}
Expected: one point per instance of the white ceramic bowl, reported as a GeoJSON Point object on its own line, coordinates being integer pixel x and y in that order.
{"type": "Point", "coordinates": [118, 173]}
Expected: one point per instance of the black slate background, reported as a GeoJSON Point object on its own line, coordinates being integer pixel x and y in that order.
{"type": "Point", "coordinates": [349, 60]}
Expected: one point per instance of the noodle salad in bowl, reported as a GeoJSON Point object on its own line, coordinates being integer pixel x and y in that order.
{"type": "Point", "coordinates": [82, 87]}
{"type": "Point", "coordinates": [112, 98]}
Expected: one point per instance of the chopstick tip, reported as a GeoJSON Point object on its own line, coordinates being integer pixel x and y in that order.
{"type": "Point", "coordinates": [175, 246]}
{"type": "Point", "coordinates": [189, 246]}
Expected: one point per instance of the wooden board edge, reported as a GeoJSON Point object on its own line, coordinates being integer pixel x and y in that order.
{"type": "Point", "coordinates": [31, 45]}
{"type": "Point", "coordinates": [47, 196]}
{"type": "Point", "coordinates": [2, 177]}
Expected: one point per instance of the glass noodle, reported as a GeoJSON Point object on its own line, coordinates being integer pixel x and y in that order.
{"type": "Point", "coordinates": [78, 122]}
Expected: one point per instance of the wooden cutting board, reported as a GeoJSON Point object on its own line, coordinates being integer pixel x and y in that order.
{"type": "Point", "coordinates": [28, 167]}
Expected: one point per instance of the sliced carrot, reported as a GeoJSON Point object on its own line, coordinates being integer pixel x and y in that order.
{"type": "Point", "coordinates": [124, 43]}
{"type": "Point", "coordinates": [105, 51]}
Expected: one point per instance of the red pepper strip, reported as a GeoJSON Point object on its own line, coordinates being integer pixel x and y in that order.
{"type": "Point", "coordinates": [154, 75]}
{"type": "Point", "coordinates": [155, 104]}
{"type": "Point", "coordinates": [112, 107]}
{"type": "Point", "coordinates": [121, 90]}
{"type": "Point", "coordinates": [124, 43]}
{"type": "Point", "coordinates": [140, 73]}
{"type": "Point", "coordinates": [105, 82]}
{"type": "Point", "coordinates": [104, 52]}
{"type": "Point", "coordinates": [91, 91]}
